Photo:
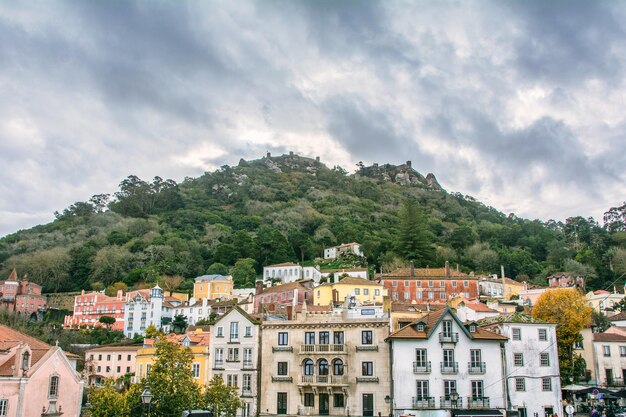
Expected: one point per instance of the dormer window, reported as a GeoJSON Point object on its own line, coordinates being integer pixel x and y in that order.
{"type": "Point", "coordinates": [420, 327]}
{"type": "Point", "coordinates": [25, 361]}
{"type": "Point", "coordinates": [186, 341]}
{"type": "Point", "coordinates": [472, 328]}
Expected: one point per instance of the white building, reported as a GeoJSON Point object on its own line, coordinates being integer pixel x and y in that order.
{"type": "Point", "coordinates": [609, 357]}
{"type": "Point", "coordinates": [289, 272]}
{"type": "Point", "coordinates": [350, 272]}
{"type": "Point", "coordinates": [470, 311]}
{"type": "Point", "coordinates": [235, 356]}
{"type": "Point", "coordinates": [146, 307]}
{"type": "Point", "coordinates": [533, 381]}
{"type": "Point", "coordinates": [194, 310]}
{"type": "Point", "coordinates": [455, 366]}
{"type": "Point", "coordinates": [336, 251]}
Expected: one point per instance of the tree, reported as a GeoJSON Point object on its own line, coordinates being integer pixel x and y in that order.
{"type": "Point", "coordinates": [600, 321]}
{"type": "Point", "coordinates": [106, 401]}
{"type": "Point", "coordinates": [170, 282]}
{"type": "Point", "coordinates": [414, 239]}
{"type": "Point", "coordinates": [222, 399]}
{"type": "Point", "coordinates": [571, 313]}
{"type": "Point", "coordinates": [179, 324]}
{"type": "Point", "coordinates": [152, 332]}
{"type": "Point", "coordinates": [243, 273]}
{"type": "Point", "coordinates": [108, 321]}
{"type": "Point", "coordinates": [112, 289]}
{"type": "Point", "coordinates": [217, 268]}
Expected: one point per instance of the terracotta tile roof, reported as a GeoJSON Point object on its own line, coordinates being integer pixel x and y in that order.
{"type": "Point", "coordinates": [480, 308]}
{"type": "Point", "coordinates": [424, 273]}
{"type": "Point", "coordinates": [325, 271]}
{"type": "Point", "coordinates": [112, 348]}
{"type": "Point", "coordinates": [353, 281]}
{"type": "Point", "coordinates": [283, 264]}
{"type": "Point", "coordinates": [618, 317]}
{"type": "Point", "coordinates": [515, 317]}
{"type": "Point", "coordinates": [397, 307]}
{"type": "Point", "coordinates": [598, 292]}
{"type": "Point", "coordinates": [609, 337]}
{"type": "Point", "coordinates": [12, 276]}
{"type": "Point", "coordinates": [10, 337]}
{"type": "Point", "coordinates": [283, 287]}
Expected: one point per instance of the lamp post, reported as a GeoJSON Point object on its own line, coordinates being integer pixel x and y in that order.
{"type": "Point", "coordinates": [389, 401]}
{"type": "Point", "coordinates": [454, 397]}
{"type": "Point", "coordinates": [146, 399]}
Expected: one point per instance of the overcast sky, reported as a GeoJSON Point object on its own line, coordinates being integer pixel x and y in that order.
{"type": "Point", "coordinates": [518, 103]}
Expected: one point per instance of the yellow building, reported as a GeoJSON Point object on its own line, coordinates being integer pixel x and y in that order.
{"type": "Point", "coordinates": [364, 291]}
{"type": "Point", "coordinates": [198, 344]}
{"type": "Point", "coordinates": [213, 287]}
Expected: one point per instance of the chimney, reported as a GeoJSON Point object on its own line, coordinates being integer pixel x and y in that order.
{"type": "Point", "coordinates": [82, 292]}
{"type": "Point", "coordinates": [412, 269]}
{"type": "Point", "coordinates": [335, 297]}
{"type": "Point", "coordinates": [503, 281]}
{"type": "Point", "coordinates": [269, 155]}
{"type": "Point", "coordinates": [258, 286]}
{"type": "Point", "coordinates": [447, 269]}
{"type": "Point", "coordinates": [120, 294]}
{"type": "Point", "coordinates": [205, 302]}
{"type": "Point", "coordinates": [408, 163]}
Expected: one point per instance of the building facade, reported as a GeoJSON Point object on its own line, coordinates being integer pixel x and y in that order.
{"type": "Point", "coordinates": [603, 301]}
{"type": "Point", "coordinates": [492, 286]}
{"type": "Point", "coordinates": [336, 251]}
{"type": "Point", "coordinates": [213, 287]}
{"type": "Point", "coordinates": [455, 366]}
{"type": "Point", "coordinates": [281, 298]}
{"type": "Point", "coordinates": [289, 272]}
{"type": "Point", "coordinates": [428, 285]}
{"type": "Point", "coordinates": [89, 307]}
{"type": "Point", "coordinates": [146, 307]}
{"type": "Point", "coordinates": [533, 381]}
{"type": "Point", "coordinates": [109, 362]}
{"type": "Point", "coordinates": [325, 364]}
{"type": "Point", "coordinates": [37, 379]}
{"type": "Point", "coordinates": [609, 357]}
{"type": "Point", "coordinates": [335, 293]}
{"type": "Point", "coordinates": [235, 356]}
{"type": "Point", "coordinates": [23, 297]}
{"type": "Point", "coordinates": [566, 279]}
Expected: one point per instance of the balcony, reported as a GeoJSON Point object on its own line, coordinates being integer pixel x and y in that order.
{"type": "Point", "coordinates": [448, 337]}
{"type": "Point", "coordinates": [246, 392]}
{"type": "Point", "coordinates": [367, 379]}
{"type": "Point", "coordinates": [325, 380]}
{"type": "Point", "coordinates": [323, 349]}
{"type": "Point", "coordinates": [282, 349]}
{"type": "Point", "coordinates": [247, 364]}
{"type": "Point", "coordinates": [421, 367]}
{"type": "Point", "coordinates": [449, 367]}
{"type": "Point", "coordinates": [282, 378]}
{"type": "Point", "coordinates": [446, 402]}
{"type": "Point", "coordinates": [219, 363]}
{"type": "Point", "coordinates": [423, 402]}
{"type": "Point", "coordinates": [367, 348]}
{"type": "Point", "coordinates": [477, 402]}
{"type": "Point", "coordinates": [476, 368]}
{"type": "Point", "coordinates": [614, 382]}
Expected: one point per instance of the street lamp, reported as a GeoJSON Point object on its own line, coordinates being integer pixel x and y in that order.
{"type": "Point", "coordinates": [454, 397]}
{"type": "Point", "coordinates": [389, 401]}
{"type": "Point", "coordinates": [146, 399]}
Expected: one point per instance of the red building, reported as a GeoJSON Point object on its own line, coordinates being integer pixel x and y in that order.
{"type": "Point", "coordinates": [89, 307]}
{"type": "Point", "coordinates": [278, 298]}
{"type": "Point", "coordinates": [428, 285]}
{"type": "Point", "coordinates": [566, 279]}
{"type": "Point", "coordinates": [22, 297]}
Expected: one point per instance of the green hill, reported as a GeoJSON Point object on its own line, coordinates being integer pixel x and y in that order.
{"type": "Point", "coordinates": [288, 208]}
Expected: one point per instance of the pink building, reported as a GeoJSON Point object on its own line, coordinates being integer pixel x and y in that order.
{"type": "Point", "coordinates": [89, 307]}
{"type": "Point", "coordinates": [37, 379]}
{"type": "Point", "coordinates": [278, 297]}
{"type": "Point", "coordinates": [566, 279]}
{"type": "Point", "coordinates": [22, 297]}
{"type": "Point", "coordinates": [109, 362]}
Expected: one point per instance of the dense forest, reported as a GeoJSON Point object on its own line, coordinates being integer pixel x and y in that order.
{"type": "Point", "coordinates": [289, 208]}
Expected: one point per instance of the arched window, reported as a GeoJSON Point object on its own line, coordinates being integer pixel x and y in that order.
{"type": "Point", "coordinates": [53, 391]}
{"type": "Point", "coordinates": [322, 366]}
{"type": "Point", "coordinates": [308, 367]}
{"type": "Point", "coordinates": [337, 367]}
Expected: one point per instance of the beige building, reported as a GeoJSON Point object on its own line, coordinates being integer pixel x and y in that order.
{"type": "Point", "coordinates": [363, 290]}
{"type": "Point", "coordinates": [109, 362]}
{"type": "Point", "coordinates": [329, 363]}
{"type": "Point", "coordinates": [603, 301]}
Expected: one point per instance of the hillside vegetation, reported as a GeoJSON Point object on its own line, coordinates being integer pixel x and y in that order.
{"type": "Point", "coordinates": [289, 208]}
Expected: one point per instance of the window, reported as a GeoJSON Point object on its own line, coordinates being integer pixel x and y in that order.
{"type": "Point", "coordinates": [419, 327]}
{"type": "Point", "coordinates": [233, 354]}
{"type": "Point", "coordinates": [247, 356]}
{"type": "Point", "coordinates": [248, 331]}
{"type": "Point", "coordinates": [220, 332]}
{"type": "Point", "coordinates": [475, 358]}
{"type": "Point", "coordinates": [454, 283]}
{"type": "Point", "coordinates": [366, 337]}
{"type": "Point", "coordinates": [607, 350]}
{"type": "Point", "coordinates": [338, 401]}
{"type": "Point", "coordinates": [546, 384]}
{"type": "Point", "coordinates": [449, 386]}
{"type": "Point", "coordinates": [219, 356]}
{"type": "Point", "coordinates": [337, 367]}
{"type": "Point", "coordinates": [3, 407]}
{"type": "Point", "coordinates": [422, 390]}
{"type": "Point", "coordinates": [53, 389]}
{"type": "Point", "coordinates": [517, 334]}
{"type": "Point", "coordinates": [421, 358]}
{"type": "Point", "coordinates": [309, 399]}
{"type": "Point", "coordinates": [148, 366]}
{"type": "Point", "coordinates": [518, 359]}
{"type": "Point", "coordinates": [308, 367]}
{"type": "Point", "coordinates": [99, 357]}
{"type": "Point", "coordinates": [446, 327]}
{"type": "Point", "coordinates": [127, 369]}
{"type": "Point", "coordinates": [376, 293]}
{"type": "Point", "coordinates": [108, 369]}
{"type": "Point", "coordinates": [522, 412]}
{"type": "Point", "coordinates": [442, 284]}
{"type": "Point", "coordinates": [367, 368]}
{"type": "Point", "coordinates": [283, 339]}
{"type": "Point", "coordinates": [366, 291]}
{"type": "Point", "coordinates": [234, 330]}
{"type": "Point", "coordinates": [309, 338]}
{"type": "Point", "coordinates": [520, 384]}
{"type": "Point", "coordinates": [247, 382]}
{"type": "Point", "coordinates": [477, 390]}
{"type": "Point", "coordinates": [448, 358]}
{"type": "Point", "coordinates": [622, 350]}
{"type": "Point", "coordinates": [543, 335]}
{"type": "Point", "coordinates": [231, 380]}
{"type": "Point", "coordinates": [338, 338]}
{"type": "Point", "coordinates": [195, 370]}
{"type": "Point", "coordinates": [407, 295]}
{"type": "Point", "coordinates": [324, 338]}
{"type": "Point", "coordinates": [282, 368]}
{"type": "Point", "coordinates": [394, 283]}
{"type": "Point", "coordinates": [545, 359]}
{"type": "Point", "coordinates": [431, 284]}
{"type": "Point", "coordinates": [442, 295]}
{"type": "Point", "coordinates": [322, 366]}
{"type": "Point", "coordinates": [119, 357]}
{"type": "Point", "coordinates": [357, 291]}
{"type": "Point", "coordinates": [119, 369]}
{"type": "Point", "coordinates": [128, 357]}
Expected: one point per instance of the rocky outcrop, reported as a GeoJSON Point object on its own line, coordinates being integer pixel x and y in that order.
{"type": "Point", "coordinates": [432, 182]}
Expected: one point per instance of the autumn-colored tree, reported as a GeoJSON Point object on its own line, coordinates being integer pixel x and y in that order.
{"type": "Point", "coordinates": [170, 282]}
{"type": "Point", "coordinates": [107, 401]}
{"type": "Point", "coordinates": [112, 289]}
{"type": "Point", "coordinates": [222, 399]}
{"type": "Point", "coordinates": [569, 310]}
{"type": "Point", "coordinates": [152, 332]}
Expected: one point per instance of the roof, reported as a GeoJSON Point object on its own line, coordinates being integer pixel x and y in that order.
{"type": "Point", "coordinates": [609, 337]}
{"type": "Point", "coordinates": [432, 320]}
{"type": "Point", "coordinates": [214, 277]}
{"type": "Point", "coordinates": [343, 270]}
{"type": "Point", "coordinates": [240, 311]}
{"type": "Point", "coordinates": [397, 307]}
{"type": "Point", "coordinates": [479, 307]}
{"type": "Point", "coordinates": [10, 338]}
{"type": "Point", "coordinates": [515, 317]}
{"type": "Point", "coordinates": [618, 317]}
{"type": "Point", "coordinates": [112, 348]}
{"type": "Point", "coordinates": [198, 339]}
{"type": "Point", "coordinates": [598, 292]}
{"type": "Point", "coordinates": [283, 287]}
{"type": "Point", "coordinates": [353, 281]}
{"type": "Point", "coordinates": [283, 264]}
{"type": "Point", "coordinates": [424, 273]}
{"type": "Point", "coordinates": [12, 275]}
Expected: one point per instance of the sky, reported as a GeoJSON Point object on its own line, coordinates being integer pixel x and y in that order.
{"type": "Point", "coordinates": [517, 103]}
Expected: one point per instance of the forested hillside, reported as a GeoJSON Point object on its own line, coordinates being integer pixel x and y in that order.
{"type": "Point", "coordinates": [288, 208]}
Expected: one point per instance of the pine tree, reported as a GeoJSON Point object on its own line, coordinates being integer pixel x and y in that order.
{"type": "Point", "coordinates": [415, 240]}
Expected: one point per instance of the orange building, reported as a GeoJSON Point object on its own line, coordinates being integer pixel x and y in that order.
{"type": "Point", "coordinates": [89, 307]}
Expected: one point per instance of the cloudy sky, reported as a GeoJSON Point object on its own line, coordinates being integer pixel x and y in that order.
{"type": "Point", "coordinates": [518, 103]}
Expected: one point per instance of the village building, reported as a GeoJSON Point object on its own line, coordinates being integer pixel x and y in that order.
{"type": "Point", "coordinates": [333, 275]}
{"type": "Point", "coordinates": [609, 357]}
{"type": "Point", "coordinates": [532, 378]}
{"type": "Point", "coordinates": [146, 307]}
{"type": "Point", "coordinates": [566, 279]}
{"type": "Point", "coordinates": [618, 319]}
{"type": "Point", "coordinates": [194, 310]}
{"type": "Point", "coordinates": [113, 361]}
{"type": "Point", "coordinates": [37, 379]}
{"type": "Point", "coordinates": [335, 293]}
{"type": "Point", "coordinates": [604, 301]}
{"type": "Point", "coordinates": [332, 362]}
{"type": "Point", "coordinates": [235, 356]}
{"type": "Point", "coordinates": [403, 314]}
{"type": "Point", "coordinates": [336, 251]}
{"type": "Point", "coordinates": [89, 307]}
{"type": "Point", "coordinates": [289, 272]}
{"type": "Point", "coordinates": [473, 310]}
{"type": "Point", "coordinates": [22, 297]}
{"type": "Point", "coordinates": [454, 367]}
{"type": "Point", "coordinates": [213, 287]}
{"type": "Point", "coordinates": [428, 285]}
{"type": "Point", "coordinates": [281, 298]}
{"type": "Point", "coordinates": [492, 286]}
